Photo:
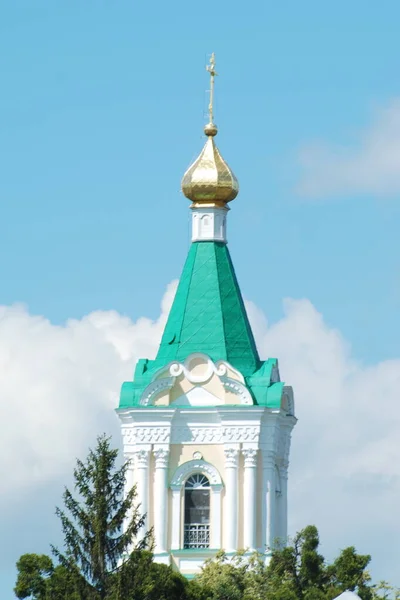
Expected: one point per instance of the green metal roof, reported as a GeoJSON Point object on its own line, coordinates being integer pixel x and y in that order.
{"type": "Point", "coordinates": [208, 314]}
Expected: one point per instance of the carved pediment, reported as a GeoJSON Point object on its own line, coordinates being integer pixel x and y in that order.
{"type": "Point", "coordinates": [198, 381]}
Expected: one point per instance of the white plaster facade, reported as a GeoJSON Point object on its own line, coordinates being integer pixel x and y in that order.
{"type": "Point", "coordinates": [209, 223]}
{"type": "Point", "coordinates": [199, 418]}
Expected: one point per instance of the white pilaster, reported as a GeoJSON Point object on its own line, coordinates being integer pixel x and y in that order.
{"type": "Point", "coordinates": [216, 517]}
{"type": "Point", "coordinates": [231, 499]}
{"type": "Point", "coordinates": [142, 475]}
{"type": "Point", "coordinates": [209, 224]}
{"type": "Point", "coordinates": [176, 518]}
{"type": "Point", "coordinates": [160, 499]}
{"type": "Point", "coordinates": [283, 501]}
{"type": "Point", "coordinates": [249, 498]}
{"type": "Point", "coordinates": [269, 499]}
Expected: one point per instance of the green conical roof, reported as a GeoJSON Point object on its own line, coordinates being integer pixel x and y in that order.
{"type": "Point", "coordinates": [208, 314]}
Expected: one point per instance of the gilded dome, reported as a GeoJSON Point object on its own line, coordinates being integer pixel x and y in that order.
{"type": "Point", "coordinates": [210, 180]}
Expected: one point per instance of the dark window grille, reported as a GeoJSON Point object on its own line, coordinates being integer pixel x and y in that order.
{"type": "Point", "coordinates": [197, 512]}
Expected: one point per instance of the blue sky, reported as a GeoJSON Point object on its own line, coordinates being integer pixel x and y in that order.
{"type": "Point", "coordinates": [101, 112]}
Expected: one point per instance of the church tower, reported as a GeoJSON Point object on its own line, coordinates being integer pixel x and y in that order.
{"type": "Point", "coordinates": [206, 425]}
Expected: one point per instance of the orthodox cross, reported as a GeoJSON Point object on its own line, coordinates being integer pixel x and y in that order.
{"type": "Point", "coordinates": [211, 69]}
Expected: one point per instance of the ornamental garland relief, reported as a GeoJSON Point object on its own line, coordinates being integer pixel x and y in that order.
{"type": "Point", "coordinates": [220, 369]}
{"type": "Point", "coordinates": [198, 435]}
{"type": "Point", "coordinates": [214, 435]}
{"type": "Point", "coordinates": [234, 384]}
{"type": "Point", "coordinates": [241, 434]}
{"type": "Point", "coordinates": [143, 435]}
{"type": "Point", "coordinates": [189, 435]}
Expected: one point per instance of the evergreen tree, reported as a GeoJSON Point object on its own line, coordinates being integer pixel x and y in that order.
{"type": "Point", "coordinates": [98, 536]}
{"type": "Point", "coordinates": [94, 537]}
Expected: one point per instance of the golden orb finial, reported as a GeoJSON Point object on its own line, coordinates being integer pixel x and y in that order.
{"type": "Point", "coordinates": [209, 180]}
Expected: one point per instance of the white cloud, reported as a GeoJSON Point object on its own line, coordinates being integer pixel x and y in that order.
{"type": "Point", "coordinates": [345, 459]}
{"type": "Point", "coordinates": [372, 166]}
{"type": "Point", "coordinates": [59, 387]}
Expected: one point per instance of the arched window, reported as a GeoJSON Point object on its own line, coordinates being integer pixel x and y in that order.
{"type": "Point", "coordinates": [197, 512]}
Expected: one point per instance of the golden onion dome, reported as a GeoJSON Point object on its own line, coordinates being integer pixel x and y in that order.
{"type": "Point", "coordinates": [210, 180]}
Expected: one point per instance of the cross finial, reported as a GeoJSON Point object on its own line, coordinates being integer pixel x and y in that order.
{"type": "Point", "coordinates": [211, 69]}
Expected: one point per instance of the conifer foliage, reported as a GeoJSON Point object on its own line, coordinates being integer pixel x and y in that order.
{"type": "Point", "coordinates": [99, 525]}
{"type": "Point", "coordinates": [92, 522]}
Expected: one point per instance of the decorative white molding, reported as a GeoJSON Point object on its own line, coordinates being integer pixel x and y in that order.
{"type": "Point", "coordinates": [176, 369]}
{"type": "Point", "coordinates": [195, 466]}
{"type": "Point", "coordinates": [231, 457]}
{"type": "Point", "coordinates": [196, 435]}
{"type": "Point", "coordinates": [154, 388]}
{"type": "Point", "coordinates": [289, 397]}
{"type": "Point", "coordinates": [161, 456]}
{"type": "Point", "coordinates": [238, 389]}
{"type": "Point", "coordinates": [250, 457]}
{"type": "Point", "coordinates": [142, 458]}
{"type": "Point", "coordinates": [127, 438]}
{"type": "Point", "coordinates": [241, 433]}
{"type": "Point", "coordinates": [152, 434]}
{"type": "Point", "coordinates": [220, 368]}
{"type": "Point", "coordinates": [214, 435]}
{"type": "Point", "coordinates": [145, 435]}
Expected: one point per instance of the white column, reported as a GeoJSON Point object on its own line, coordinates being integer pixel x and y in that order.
{"type": "Point", "coordinates": [176, 518]}
{"type": "Point", "coordinates": [142, 475]}
{"type": "Point", "coordinates": [269, 499]}
{"type": "Point", "coordinates": [216, 516]}
{"type": "Point", "coordinates": [160, 500]}
{"type": "Point", "coordinates": [283, 504]}
{"type": "Point", "coordinates": [249, 498]}
{"type": "Point", "coordinates": [231, 499]}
